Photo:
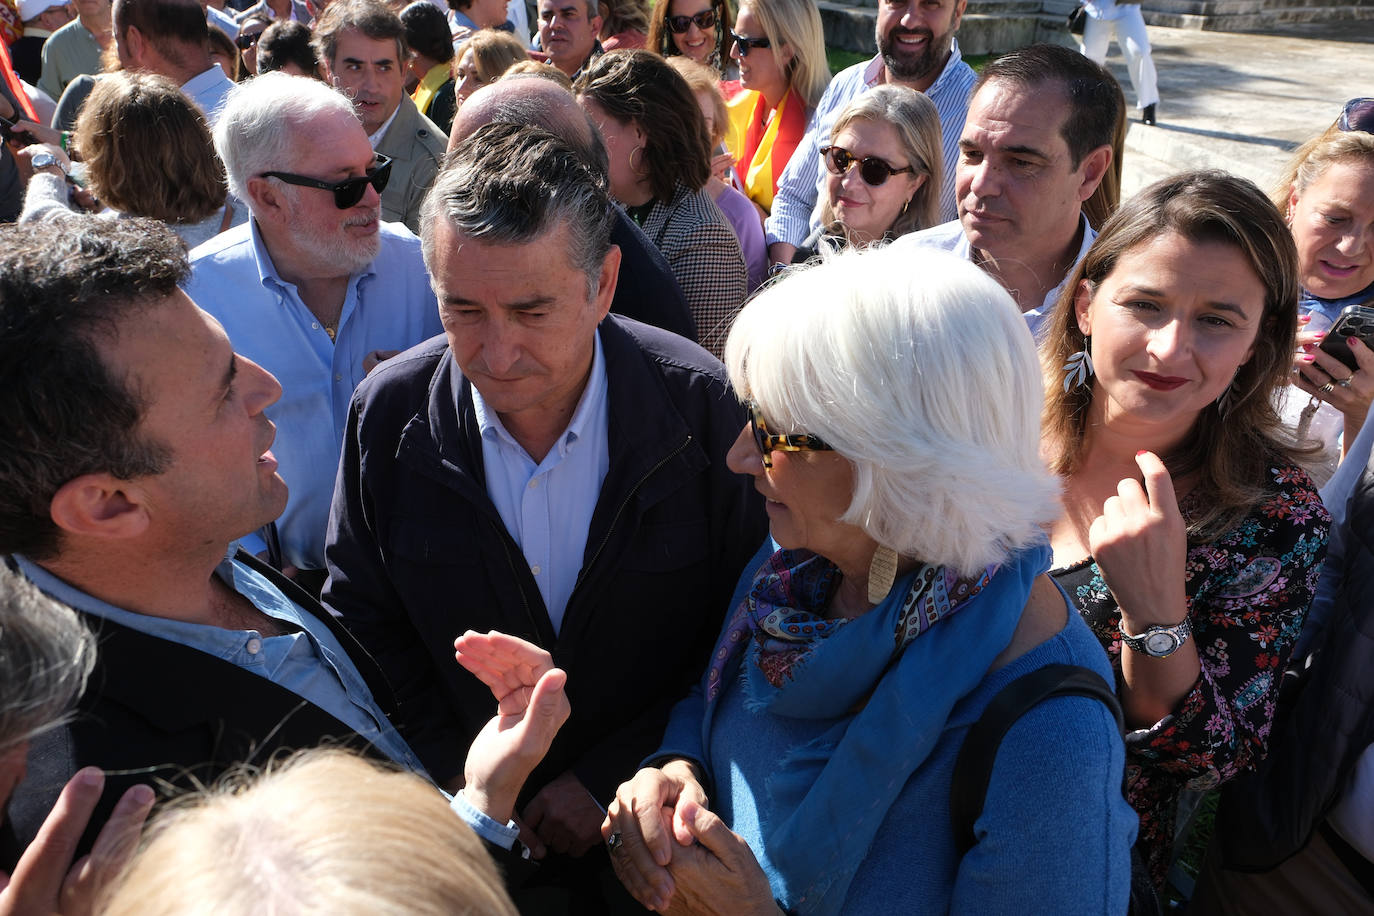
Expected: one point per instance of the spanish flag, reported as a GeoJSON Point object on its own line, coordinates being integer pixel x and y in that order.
{"type": "Point", "coordinates": [762, 145]}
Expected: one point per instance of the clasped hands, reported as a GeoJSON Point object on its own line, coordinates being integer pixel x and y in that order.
{"type": "Point", "coordinates": [676, 856]}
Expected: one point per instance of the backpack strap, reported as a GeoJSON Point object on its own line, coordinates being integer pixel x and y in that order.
{"type": "Point", "coordinates": [973, 767]}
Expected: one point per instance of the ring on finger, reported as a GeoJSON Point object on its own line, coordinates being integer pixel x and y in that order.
{"type": "Point", "coordinates": [1327, 388]}
{"type": "Point", "coordinates": [614, 842]}
{"type": "Point", "coordinates": [1344, 382]}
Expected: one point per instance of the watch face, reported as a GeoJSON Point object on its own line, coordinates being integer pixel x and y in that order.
{"type": "Point", "coordinates": [1161, 643]}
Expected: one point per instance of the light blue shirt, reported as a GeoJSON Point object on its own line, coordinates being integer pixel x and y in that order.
{"type": "Point", "coordinates": [388, 306]}
{"type": "Point", "coordinates": [210, 91]}
{"type": "Point", "coordinates": [795, 212]}
{"type": "Point", "coordinates": [547, 507]}
{"type": "Point", "coordinates": [222, 20]}
{"type": "Point", "coordinates": [950, 237]}
{"type": "Point", "coordinates": [310, 663]}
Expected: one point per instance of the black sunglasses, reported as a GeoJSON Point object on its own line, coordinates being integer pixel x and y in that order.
{"type": "Point", "coordinates": [706, 19]}
{"type": "Point", "coordinates": [349, 191]}
{"type": "Point", "coordinates": [247, 41]}
{"type": "Point", "coordinates": [872, 170]}
{"type": "Point", "coordinates": [1358, 114]}
{"type": "Point", "coordinates": [789, 442]}
{"type": "Point", "coordinates": [746, 45]}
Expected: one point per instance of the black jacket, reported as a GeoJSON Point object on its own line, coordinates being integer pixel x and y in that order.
{"type": "Point", "coordinates": [1324, 722]}
{"type": "Point", "coordinates": [417, 553]}
{"type": "Point", "coordinates": [157, 712]}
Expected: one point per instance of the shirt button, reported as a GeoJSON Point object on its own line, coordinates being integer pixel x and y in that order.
{"type": "Point", "coordinates": [535, 570]}
{"type": "Point", "coordinates": [254, 646]}
{"type": "Point", "coordinates": [534, 483]}
{"type": "Point", "coordinates": [338, 378]}
{"type": "Point", "coordinates": [315, 325]}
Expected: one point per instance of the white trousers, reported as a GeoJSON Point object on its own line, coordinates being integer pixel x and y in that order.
{"type": "Point", "coordinates": [1135, 47]}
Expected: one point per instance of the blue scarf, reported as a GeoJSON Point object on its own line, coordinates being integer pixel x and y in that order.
{"type": "Point", "coordinates": [827, 798]}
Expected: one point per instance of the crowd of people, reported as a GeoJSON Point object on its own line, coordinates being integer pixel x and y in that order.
{"type": "Point", "coordinates": [455, 469]}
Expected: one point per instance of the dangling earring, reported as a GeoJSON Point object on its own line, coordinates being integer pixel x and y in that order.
{"type": "Point", "coordinates": [1079, 368]}
{"type": "Point", "coordinates": [1228, 401]}
{"type": "Point", "coordinates": [882, 572]}
{"type": "Point", "coordinates": [906, 205]}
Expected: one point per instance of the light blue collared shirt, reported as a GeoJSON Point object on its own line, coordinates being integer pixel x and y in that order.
{"type": "Point", "coordinates": [795, 212]}
{"type": "Point", "coordinates": [547, 508]}
{"type": "Point", "coordinates": [210, 91]}
{"type": "Point", "coordinates": [388, 306]}
{"type": "Point", "coordinates": [309, 662]}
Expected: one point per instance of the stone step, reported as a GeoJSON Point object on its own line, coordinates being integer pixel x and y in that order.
{"type": "Point", "coordinates": [1253, 22]}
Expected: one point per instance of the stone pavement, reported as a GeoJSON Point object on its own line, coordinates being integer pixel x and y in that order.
{"type": "Point", "coordinates": [1243, 101]}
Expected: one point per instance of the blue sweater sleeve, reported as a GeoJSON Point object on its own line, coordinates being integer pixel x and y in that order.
{"type": "Point", "coordinates": [1054, 819]}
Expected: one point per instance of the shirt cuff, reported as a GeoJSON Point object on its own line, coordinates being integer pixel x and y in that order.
{"type": "Point", "coordinates": [505, 835]}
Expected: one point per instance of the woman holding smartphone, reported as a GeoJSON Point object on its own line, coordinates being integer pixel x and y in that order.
{"type": "Point", "coordinates": [1328, 199]}
{"type": "Point", "coordinates": [1191, 542]}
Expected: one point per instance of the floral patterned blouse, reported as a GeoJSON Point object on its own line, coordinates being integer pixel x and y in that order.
{"type": "Point", "coordinates": [1248, 592]}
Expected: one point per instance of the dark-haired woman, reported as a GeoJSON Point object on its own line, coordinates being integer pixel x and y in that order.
{"type": "Point", "coordinates": [1191, 541]}
{"type": "Point", "coordinates": [430, 62]}
{"type": "Point", "coordinates": [660, 162]}
{"type": "Point", "coordinates": [699, 29]}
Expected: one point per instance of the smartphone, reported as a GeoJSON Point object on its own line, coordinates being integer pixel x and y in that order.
{"type": "Point", "coordinates": [1354, 321]}
{"type": "Point", "coordinates": [8, 135]}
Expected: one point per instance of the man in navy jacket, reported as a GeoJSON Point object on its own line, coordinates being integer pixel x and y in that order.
{"type": "Point", "coordinates": [543, 470]}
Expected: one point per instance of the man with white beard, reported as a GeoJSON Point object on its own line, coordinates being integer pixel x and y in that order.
{"type": "Point", "coordinates": [315, 288]}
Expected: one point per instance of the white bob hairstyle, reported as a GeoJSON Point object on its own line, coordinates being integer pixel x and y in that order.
{"type": "Point", "coordinates": [918, 368]}
{"type": "Point", "coordinates": [261, 120]}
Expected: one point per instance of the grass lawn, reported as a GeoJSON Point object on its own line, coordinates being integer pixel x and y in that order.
{"type": "Point", "coordinates": [838, 59]}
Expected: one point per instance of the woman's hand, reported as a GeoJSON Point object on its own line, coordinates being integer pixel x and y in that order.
{"type": "Point", "coordinates": [646, 816]}
{"type": "Point", "coordinates": [720, 873]}
{"type": "Point", "coordinates": [1351, 392]}
{"type": "Point", "coordinates": [720, 165]}
{"type": "Point", "coordinates": [1140, 543]}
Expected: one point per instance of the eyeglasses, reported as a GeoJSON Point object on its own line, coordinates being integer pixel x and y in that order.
{"type": "Point", "coordinates": [789, 442]}
{"type": "Point", "coordinates": [706, 19]}
{"type": "Point", "coordinates": [872, 170]}
{"type": "Point", "coordinates": [348, 192]}
{"type": "Point", "coordinates": [247, 41]}
{"type": "Point", "coordinates": [746, 45]}
{"type": "Point", "coordinates": [1358, 114]}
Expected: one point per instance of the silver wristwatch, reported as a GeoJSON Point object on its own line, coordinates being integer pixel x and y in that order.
{"type": "Point", "coordinates": [46, 159]}
{"type": "Point", "coordinates": [1158, 642]}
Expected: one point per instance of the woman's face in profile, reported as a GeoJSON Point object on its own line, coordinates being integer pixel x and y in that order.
{"type": "Point", "coordinates": [1333, 227]}
{"type": "Point", "coordinates": [1170, 326]}
{"type": "Point", "coordinates": [868, 210]}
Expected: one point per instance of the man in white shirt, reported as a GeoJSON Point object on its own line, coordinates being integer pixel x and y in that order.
{"type": "Point", "coordinates": [1036, 143]}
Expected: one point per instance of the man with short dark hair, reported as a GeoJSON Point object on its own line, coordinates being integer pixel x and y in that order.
{"type": "Point", "coordinates": [645, 289]}
{"type": "Point", "coordinates": [362, 48]}
{"type": "Point", "coordinates": [545, 470]}
{"type": "Point", "coordinates": [916, 49]}
{"type": "Point", "coordinates": [140, 451]}
{"type": "Point", "coordinates": [1037, 141]}
{"type": "Point", "coordinates": [567, 33]}
{"type": "Point", "coordinates": [170, 37]}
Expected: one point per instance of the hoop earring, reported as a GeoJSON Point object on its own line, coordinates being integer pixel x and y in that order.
{"type": "Point", "coordinates": [882, 572]}
{"type": "Point", "coordinates": [1079, 369]}
{"type": "Point", "coordinates": [638, 169]}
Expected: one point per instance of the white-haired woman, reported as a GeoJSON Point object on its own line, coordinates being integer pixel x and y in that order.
{"type": "Point", "coordinates": [895, 435]}
{"type": "Point", "coordinates": [884, 171]}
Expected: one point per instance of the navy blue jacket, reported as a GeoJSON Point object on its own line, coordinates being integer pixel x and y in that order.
{"type": "Point", "coordinates": [417, 552]}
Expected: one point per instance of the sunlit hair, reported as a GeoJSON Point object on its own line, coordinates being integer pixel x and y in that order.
{"type": "Point", "coordinates": [624, 16]}
{"type": "Point", "coordinates": [796, 24]}
{"type": "Point", "coordinates": [369, 18]}
{"type": "Point", "coordinates": [147, 149]}
{"type": "Point", "coordinates": [639, 86]}
{"type": "Point", "coordinates": [660, 39]}
{"type": "Point", "coordinates": [702, 79]}
{"type": "Point", "coordinates": [1314, 157]}
{"type": "Point", "coordinates": [259, 124]}
{"type": "Point", "coordinates": [46, 654]}
{"type": "Point", "coordinates": [540, 70]}
{"type": "Point", "coordinates": [913, 116]}
{"type": "Point", "coordinates": [1230, 453]}
{"type": "Point", "coordinates": [917, 368]}
{"type": "Point", "coordinates": [327, 832]}
{"type": "Point", "coordinates": [493, 53]}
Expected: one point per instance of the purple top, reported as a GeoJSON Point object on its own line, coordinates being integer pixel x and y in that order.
{"type": "Point", "coordinates": [744, 219]}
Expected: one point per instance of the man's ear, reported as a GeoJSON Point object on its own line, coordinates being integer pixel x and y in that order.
{"type": "Point", "coordinates": [1094, 166]}
{"type": "Point", "coordinates": [959, 8]}
{"type": "Point", "coordinates": [610, 274]}
{"type": "Point", "coordinates": [268, 200]}
{"type": "Point", "coordinates": [98, 506]}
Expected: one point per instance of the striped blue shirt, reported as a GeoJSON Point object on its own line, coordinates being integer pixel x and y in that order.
{"type": "Point", "coordinates": [794, 206]}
